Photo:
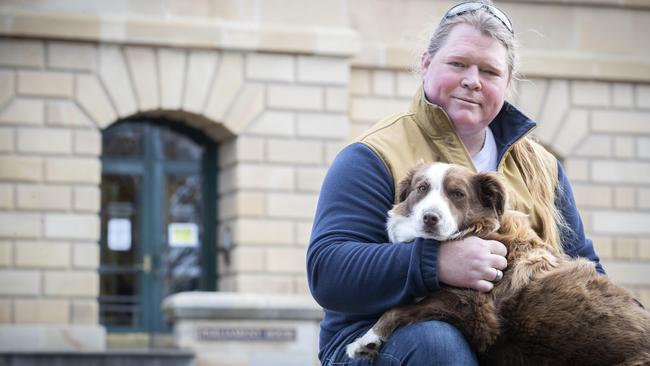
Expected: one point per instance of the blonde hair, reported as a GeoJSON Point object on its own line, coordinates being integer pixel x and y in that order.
{"type": "Point", "coordinates": [543, 188]}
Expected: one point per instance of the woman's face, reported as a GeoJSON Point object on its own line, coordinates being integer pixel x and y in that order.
{"type": "Point", "coordinates": [468, 78]}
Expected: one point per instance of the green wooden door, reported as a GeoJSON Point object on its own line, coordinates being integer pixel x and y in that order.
{"type": "Point", "coordinates": [158, 221]}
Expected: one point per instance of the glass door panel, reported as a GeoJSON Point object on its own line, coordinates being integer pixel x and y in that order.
{"type": "Point", "coordinates": [126, 140]}
{"type": "Point", "coordinates": [119, 302]}
{"type": "Point", "coordinates": [183, 233]}
{"type": "Point", "coordinates": [178, 147]}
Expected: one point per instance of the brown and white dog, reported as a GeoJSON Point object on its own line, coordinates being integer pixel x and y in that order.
{"type": "Point", "coordinates": [548, 309]}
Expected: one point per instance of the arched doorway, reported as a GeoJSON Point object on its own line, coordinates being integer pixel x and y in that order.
{"type": "Point", "coordinates": [158, 218]}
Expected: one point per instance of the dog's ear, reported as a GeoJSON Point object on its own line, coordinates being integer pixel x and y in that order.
{"type": "Point", "coordinates": [404, 187]}
{"type": "Point", "coordinates": [491, 191]}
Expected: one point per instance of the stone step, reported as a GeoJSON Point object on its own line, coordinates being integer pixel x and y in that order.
{"type": "Point", "coordinates": [144, 357]}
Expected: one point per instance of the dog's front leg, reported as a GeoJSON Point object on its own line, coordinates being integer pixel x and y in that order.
{"type": "Point", "coordinates": [471, 312]}
{"type": "Point", "coordinates": [365, 346]}
{"type": "Point", "coordinates": [369, 344]}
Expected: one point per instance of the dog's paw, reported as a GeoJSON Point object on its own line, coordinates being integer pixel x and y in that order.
{"type": "Point", "coordinates": [366, 346]}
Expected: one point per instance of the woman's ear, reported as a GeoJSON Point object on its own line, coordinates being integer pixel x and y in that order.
{"type": "Point", "coordinates": [425, 60]}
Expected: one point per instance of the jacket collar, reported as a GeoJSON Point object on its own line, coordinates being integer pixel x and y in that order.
{"type": "Point", "coordinates": [509, 126]}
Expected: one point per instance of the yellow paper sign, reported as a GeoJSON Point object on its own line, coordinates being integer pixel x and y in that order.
{"type": "Point", "coordinates": [183, 234]}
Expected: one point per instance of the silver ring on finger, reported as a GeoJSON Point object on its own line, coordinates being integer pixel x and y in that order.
{"type": "Point", "coordinates": [499, 276]}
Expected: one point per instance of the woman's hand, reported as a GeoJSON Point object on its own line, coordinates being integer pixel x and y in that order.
{"type": "Point", "coordinates": [471, 263]}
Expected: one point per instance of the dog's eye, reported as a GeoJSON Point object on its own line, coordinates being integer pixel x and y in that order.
{"type": "Point", "coordinates": [457, 194]}
{"type": "Point", "coordinates": [422, 188]}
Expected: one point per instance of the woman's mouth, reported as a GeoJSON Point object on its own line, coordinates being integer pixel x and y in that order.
{"type": "Point", "coordinates": [467, 101]}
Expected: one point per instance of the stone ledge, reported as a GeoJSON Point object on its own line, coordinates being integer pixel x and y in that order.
{"type": "Point", "coordinates": [135, 353]}
{"type": "Point", "coordinates": [197, 33]}
{"type": "Point", "coordinates": [641, 4]}
{"type": "Point", "coordinates": [143, 357]}
{"type": "Point", "coordinates": [30, 338]}
{"type": "Point", "coordinates": [230, 305]}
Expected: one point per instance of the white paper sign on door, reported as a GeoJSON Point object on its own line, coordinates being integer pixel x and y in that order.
{"type": "Point", "coordinates": [183, 234]}
{"type": "Point", "coordinates": [119, 234]}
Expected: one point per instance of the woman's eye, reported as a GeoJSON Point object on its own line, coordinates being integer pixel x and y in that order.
{"type": "Point", "coordinates": [456, 64]}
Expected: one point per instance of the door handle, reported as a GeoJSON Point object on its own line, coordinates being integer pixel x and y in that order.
{"type": "Point", "coordinates": [145, 266]}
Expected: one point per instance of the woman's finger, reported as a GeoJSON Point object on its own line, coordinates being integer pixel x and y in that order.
{"type": "Point", "coordinates": [498, 262]}
{"type": "Point", "coordinates": [484, 286]}
{"type": "Point", "coordinates": [497, 248]}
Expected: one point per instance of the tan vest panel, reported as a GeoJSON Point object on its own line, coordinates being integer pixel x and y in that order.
{"type": "Point", "coordinates": [426, 134]}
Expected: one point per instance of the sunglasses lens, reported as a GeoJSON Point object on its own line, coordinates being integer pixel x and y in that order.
{"type": "Point", "coordinates": [469, 7]}
{"type": "Point", "coordinates": [502, 17]}
{"type": "Point", "coordinates": [463, 8]}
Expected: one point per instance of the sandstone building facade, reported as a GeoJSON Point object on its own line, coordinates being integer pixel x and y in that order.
{"type": "Point", "coordinates": [274, 89]}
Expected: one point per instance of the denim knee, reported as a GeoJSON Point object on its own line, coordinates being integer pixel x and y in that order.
{"type": "Point", "coordinates": [431, 343]}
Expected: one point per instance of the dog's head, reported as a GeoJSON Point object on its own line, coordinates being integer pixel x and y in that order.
{"type": "Point", "coordinates": [444, 201]}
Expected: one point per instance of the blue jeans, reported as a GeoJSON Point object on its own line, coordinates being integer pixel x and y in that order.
{"type": "Point", "coordinates": [420, 344]}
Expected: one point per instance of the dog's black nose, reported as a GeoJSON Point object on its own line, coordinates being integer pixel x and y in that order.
{"type": "Point", "coordinates": [430, 219]}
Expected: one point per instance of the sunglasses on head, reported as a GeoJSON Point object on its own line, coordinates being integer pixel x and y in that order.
{"type": "Point", "coordinates": [471, 6]}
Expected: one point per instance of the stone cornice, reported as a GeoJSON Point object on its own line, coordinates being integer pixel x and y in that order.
{"type": "Point", "coordinates": [629, 4]}
{"type": "Point", "coordinates": [333, 41]}
{"type": "Point", "coordinates": [231, 305]}
{"type": "Point", "coordinates": [182, 32]}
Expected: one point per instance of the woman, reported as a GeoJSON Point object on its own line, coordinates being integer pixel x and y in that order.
{"type": "Point", "coordinates": [458, 116]}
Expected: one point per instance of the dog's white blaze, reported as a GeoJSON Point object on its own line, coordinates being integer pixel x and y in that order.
{"type": "Point", "coordinates": [436, 202]}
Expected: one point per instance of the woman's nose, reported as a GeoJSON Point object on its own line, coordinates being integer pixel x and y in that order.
{"type": "Point", "coordinates": [471, 78]}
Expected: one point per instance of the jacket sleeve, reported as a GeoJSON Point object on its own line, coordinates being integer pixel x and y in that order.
{"type": "Point", "coordinates": [350, 266]}
{"type": "Point", "coordinates": [574, 240]}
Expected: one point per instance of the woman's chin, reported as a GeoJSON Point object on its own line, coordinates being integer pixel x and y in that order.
{"type": "Point", "coordinates": [466, 120]}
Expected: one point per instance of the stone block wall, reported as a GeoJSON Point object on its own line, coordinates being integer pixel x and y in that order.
{"type": "Point", "coordinates": [271, 174]}
{"type": "Point", "coordinates": [279, 120]}
{"type": "Point", "coordinates": [49, 184]}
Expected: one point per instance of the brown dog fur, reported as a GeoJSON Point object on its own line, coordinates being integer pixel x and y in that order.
{"type": "Point", "coordinates": [548, 309]}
